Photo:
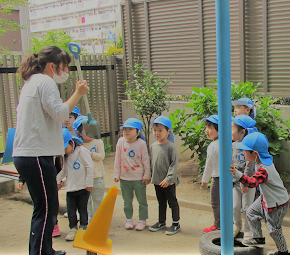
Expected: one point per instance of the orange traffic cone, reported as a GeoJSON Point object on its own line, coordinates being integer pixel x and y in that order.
{"type": "Point", "coordinates": [95, 238]}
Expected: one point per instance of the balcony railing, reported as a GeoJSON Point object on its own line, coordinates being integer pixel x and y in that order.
{"type": "Point", "coordinates": [71, 8]}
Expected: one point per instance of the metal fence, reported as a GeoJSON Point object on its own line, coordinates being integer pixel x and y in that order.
{"type": "Point", "coordinates": [105, 77]}
{"type": "Point", "coordinates": [179, 36]}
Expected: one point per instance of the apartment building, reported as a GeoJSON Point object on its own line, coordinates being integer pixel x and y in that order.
{"type": "Point", "coordinates": [84, 20]}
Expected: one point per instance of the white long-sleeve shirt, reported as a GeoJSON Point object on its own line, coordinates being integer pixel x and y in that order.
{"type": "Point", "coordinates": [78, 168]}
{"type": "Point", "coordinates": [211, 168]}
{"type": "Point", "coordinates": [97, 147]}
{"type": "Point", "coordinates": [39, 115]}
{"type": "Point", "coordinates": [132, 161]}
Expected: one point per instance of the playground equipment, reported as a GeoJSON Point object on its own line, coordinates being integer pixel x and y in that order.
{"type": "Point", "coordinates": [90, 125]}
{"type": "Point", "coordinates": [95, 238]}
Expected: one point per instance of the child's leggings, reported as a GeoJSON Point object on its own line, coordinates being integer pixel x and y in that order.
{"type": "Point", "coordinates": [215, 200]}
{"type": "Point", "coordinates": [96, 196]}
{"type": "Point", "coordinates": [241, 201]}
{"type": "Point", "coordinates": [256, 212]}
{"type": "Point", "coordinates": [127, 188]}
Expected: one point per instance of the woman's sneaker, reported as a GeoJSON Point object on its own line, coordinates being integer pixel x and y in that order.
{"type": "Point", "coordinates": [129, 224]}
{"type": "Point", "coordinates": [257, 242]}
{"type": "Point", "coordinates": [172, 230]}
{"type": "Point", "coordinates": [141, 225]}
{"type": "Point", "coordinates": [56, 231]}
{"type": "Point", "coordinates": [210, 229]}
{"type": "Point", "coordinates": [71, 234]}
{"type": "Point", "coordinates": [157, 226]}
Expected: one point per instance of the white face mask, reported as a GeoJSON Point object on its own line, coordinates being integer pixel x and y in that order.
{"type": "Point", "coordinates": [60, 78]}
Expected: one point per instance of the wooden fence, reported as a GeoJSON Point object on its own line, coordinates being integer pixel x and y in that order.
{"type": "Point", "coordinates": [105, 77]}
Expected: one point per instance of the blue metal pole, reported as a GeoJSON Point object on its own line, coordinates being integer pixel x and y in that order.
{"type": "Point", "coordinates": [224, 112]}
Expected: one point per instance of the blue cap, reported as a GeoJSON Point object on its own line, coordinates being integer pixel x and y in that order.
{"type": "Point", "coordinates": [244, 121]}
{"type": "Point", "coordinates": [67, 136]}
{"type": "Point", "coordinates": [163, 120]}
{"type": "Point", "coordinates": [257, 142]}
{"type": "Point", "coordinates": [244, 101]}
{"type": "Point", "coordinates": [79, 120]}
{"type": "Point", "coordinates": [213, 118]}
{"type": "Point", "coordinates": [76, 110]}
{"type": "Point", "coordinates": [133, 123]}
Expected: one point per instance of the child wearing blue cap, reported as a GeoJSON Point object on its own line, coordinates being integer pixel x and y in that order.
{"type": "Point", "coordinates": [96, 147]}
{"type": "Point", "coordinates": [243, 196]}
{"type": "Point", "coordinates": [78, 169]}
{"type": "Point", "coordinates": [211, 170]}
{"type": "Point", "coordinates": [164, 161]}
{"type": "Point", "coordinates": [273, 202]}
{"type": "Point", "coordinates": [68, 123]}
{"type": "Point", "coordinates": [246, 106]}
{"type": "Point", "coordinates": [132, 169]}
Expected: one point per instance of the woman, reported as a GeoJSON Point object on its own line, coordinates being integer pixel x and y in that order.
{"type": "Point", "coordinates": [38, 138]}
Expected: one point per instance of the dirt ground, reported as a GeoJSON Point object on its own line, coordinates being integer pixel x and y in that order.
{"type": "Point", "coordinates": [15, 216]}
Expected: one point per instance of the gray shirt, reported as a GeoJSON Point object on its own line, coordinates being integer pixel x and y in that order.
{"type": "Point", "coordinates": [240, 163]}
{"type": "Point", "coordinates": [39, 115]}
{"type": "Point", "coordinates": [164, 161]}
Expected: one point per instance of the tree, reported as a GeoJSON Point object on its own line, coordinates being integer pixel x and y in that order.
{"type": "Point", "coordinates": [54, 37]}
{"type": "Point", "coordinates": [6, 6]}
{"type": "Point", "coordinates": [148, 97]}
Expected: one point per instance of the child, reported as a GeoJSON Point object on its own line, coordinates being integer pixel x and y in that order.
{"type": "Point", "coordinates": [132, 169]}
{"type": "Point", "coordinates": [96, 147]}
{"type": "Point", "coordinates": [78, 169]}
{"type": "Point", "coordinates": [246, 106]}
{"type": "Point", "coordinates": [243, 197]}
{"type": "Point", "coordinates": [68, 123]}
{"type": "Point", "coordinates": [164, 161]}
{"type": "Point", "coordinates": [273, 202]}
{"type": "Point", "coordinates": [211, 169]}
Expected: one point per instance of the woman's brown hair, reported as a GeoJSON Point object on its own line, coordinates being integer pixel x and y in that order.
{"type": "Point", "coordinates": [36, 63]}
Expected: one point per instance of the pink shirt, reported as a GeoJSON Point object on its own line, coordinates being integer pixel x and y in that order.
{"type": "Point", "coordinates": [132, 161]}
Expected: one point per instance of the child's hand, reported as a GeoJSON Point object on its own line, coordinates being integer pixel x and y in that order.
{"type": "Point", "coordinates": [92, 153]}
{"type": "Point", "coordinates": [204, 185]}
{"type": "Point", "coordinates": [245, 189]}
{"type": "Point", "coordinates": [19, 186]}
{"type": "Point", "coordinates": [89, 188]}
{"type": "Point", "coordinates": [59, 186]}
{"type": "Point", "coordinates": [164, 184]}
{"type": "Point", "coordinates": [233, 170]}
{"type": "Point", "coordinates": [116, 179]}
{"type": "Point", "coordinates": [146, 181]}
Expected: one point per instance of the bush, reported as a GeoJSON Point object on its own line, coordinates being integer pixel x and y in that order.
{"type": "Point", "coordinates": [113, 51]}
{"type": "Point", "coordinates": [148, 96]}
{"type": "Point", "coordinates": [203, 103]}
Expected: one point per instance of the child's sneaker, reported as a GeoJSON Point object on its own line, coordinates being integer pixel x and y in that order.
{"type": "Point", "coordinates": [65, 215]}
{"type": "Point", "coordinates": [173, 229]}
{"type": "Point", "coordinates": [247, 235]}
{"type": "Point", "coordinates": [257, 242]}
{"type": "Point", "coordinates": [141, 225]}
{"type": "Point", "coordinates": [237, 230]}
{"type": "Point", "coordinates": [278, 253]}
{"type": "Point", "coordinates": [129, 224]}
{"type": "Point", "coordinates": [157, 226]}
{"type": "Point", "coordinates": [71, 234]}
{"type": "Point", "coordinates": [56, 231]}
{"type": "Point", "coordinates": [83, 228]}
{"type": "Point", "coordinates": [210, 229]}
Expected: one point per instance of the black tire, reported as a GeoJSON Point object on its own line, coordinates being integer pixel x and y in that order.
{"type": "Point", "coordinates": [209, 244]}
